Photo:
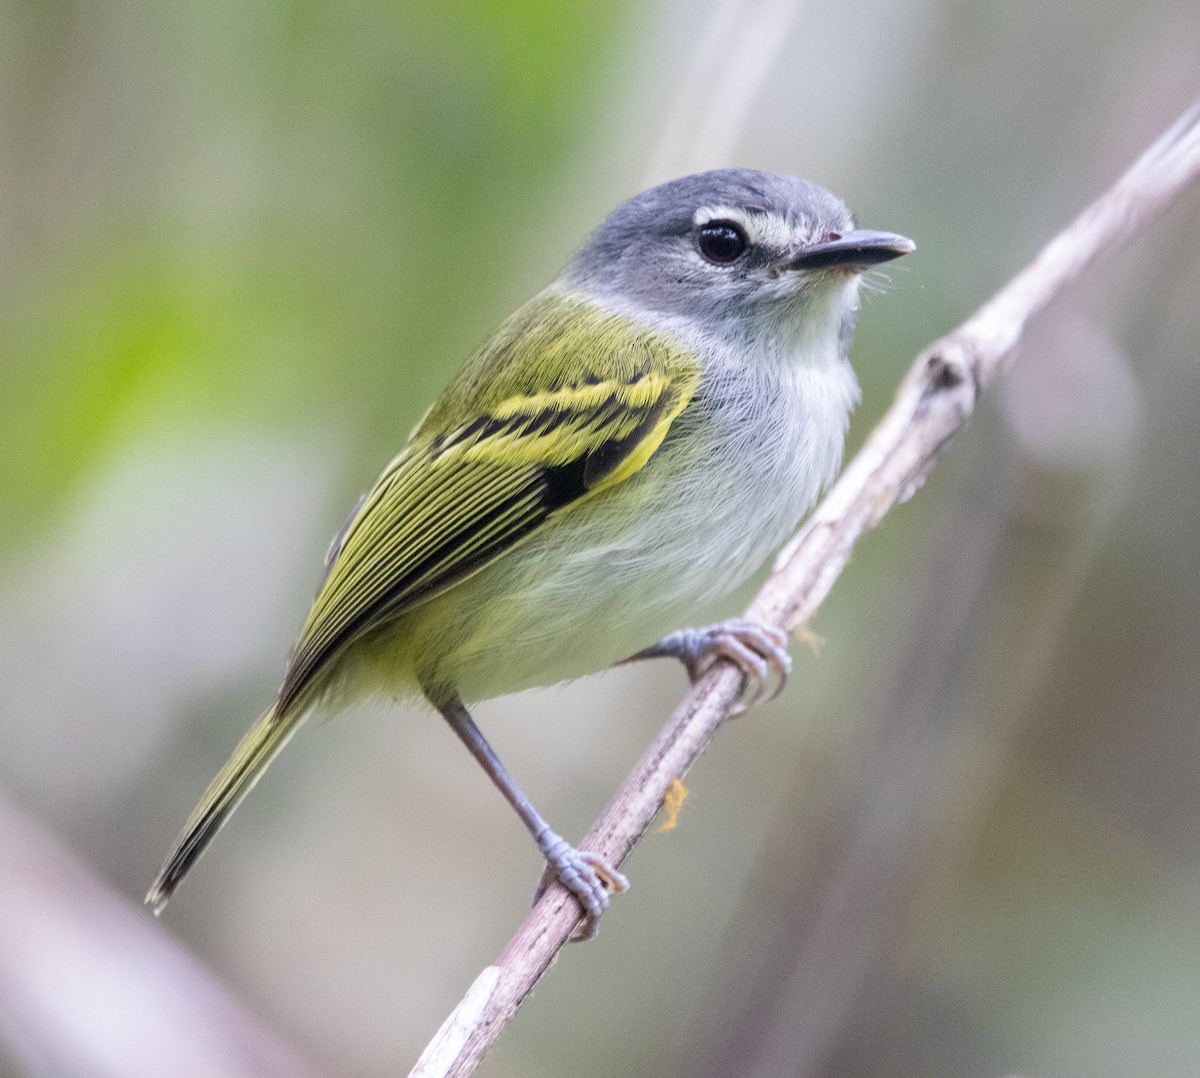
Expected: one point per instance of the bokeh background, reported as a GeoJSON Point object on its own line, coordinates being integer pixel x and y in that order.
{"type": "Point", "coordinates": [241, 247]}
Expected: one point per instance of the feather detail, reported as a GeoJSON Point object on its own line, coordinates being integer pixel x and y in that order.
{"type": "Point", "coordinates": [236, 779]}
{"type": "Point", "coordinates": [567, 399]}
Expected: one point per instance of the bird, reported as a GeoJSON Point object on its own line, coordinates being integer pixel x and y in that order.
{"type": "Point", "coordinates": [626, 448]}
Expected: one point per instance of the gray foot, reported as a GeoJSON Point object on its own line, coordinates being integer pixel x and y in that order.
{"type": "Point", "coordinates": [590, 878]}
{"type": "Point", "coordinates": [758, 651]}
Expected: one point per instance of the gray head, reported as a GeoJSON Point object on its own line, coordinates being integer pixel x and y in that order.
{"type": "Point", "coordinates": [729, 244]}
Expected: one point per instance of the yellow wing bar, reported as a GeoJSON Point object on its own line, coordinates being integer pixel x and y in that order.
{"type": "Point", "coordinates": [560, 415]}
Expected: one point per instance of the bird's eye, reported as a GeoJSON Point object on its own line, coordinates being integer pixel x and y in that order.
{"type": "Point", "coordinates": [722, 242]}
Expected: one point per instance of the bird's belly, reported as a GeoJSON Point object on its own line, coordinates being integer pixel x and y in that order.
{"type": "Point", "coordinates": [614, 574]}
{"type": "Point", "coordinates": [617, 571]}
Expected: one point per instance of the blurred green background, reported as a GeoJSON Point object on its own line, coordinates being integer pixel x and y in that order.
{"type": "Point", "coordinates": [241, 247]}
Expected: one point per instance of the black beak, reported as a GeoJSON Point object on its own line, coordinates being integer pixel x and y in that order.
{"type": "Point", "coordinates": [853, 251]}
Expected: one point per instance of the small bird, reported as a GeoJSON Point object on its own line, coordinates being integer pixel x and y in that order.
{"type": "Point", "coordinates": [629, 445]}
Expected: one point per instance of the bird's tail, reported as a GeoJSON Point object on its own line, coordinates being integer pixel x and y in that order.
{"type": "Point", "coordinates": [249, 760]}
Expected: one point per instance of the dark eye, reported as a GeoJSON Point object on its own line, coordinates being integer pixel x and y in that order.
{"type": "Point", "coordinates": [722, 242]}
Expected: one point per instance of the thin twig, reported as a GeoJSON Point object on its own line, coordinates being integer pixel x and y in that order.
{"type": "Point", "coordinates": [735, 54]}
{"type": "Point", "coordinates": [935, 399]}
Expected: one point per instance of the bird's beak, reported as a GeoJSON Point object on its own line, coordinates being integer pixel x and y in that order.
{"type": "Point", "coordinates": [852, 250]}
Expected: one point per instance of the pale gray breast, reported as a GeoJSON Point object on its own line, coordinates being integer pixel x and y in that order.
{"type": "Point", "coordinates": [733, 477]}
{"type": "Point", "coordinates": [764, 442]}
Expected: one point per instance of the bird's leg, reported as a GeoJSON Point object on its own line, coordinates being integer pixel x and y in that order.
{"type": "Point", "coordinates": [586, 875]}
{"type": "Point", "coordinates": [757, 650]}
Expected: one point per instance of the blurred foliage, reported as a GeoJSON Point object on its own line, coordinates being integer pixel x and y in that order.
{"type": "Point", "coordinates": [214, 209]}
{"type": "Point", "coordinates": [243, 244]}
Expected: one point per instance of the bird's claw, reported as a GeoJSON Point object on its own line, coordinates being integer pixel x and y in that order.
{"type": "Point", "coordinates": [590, 878]}
{"type": "Point", "coordinates": [758, 651]}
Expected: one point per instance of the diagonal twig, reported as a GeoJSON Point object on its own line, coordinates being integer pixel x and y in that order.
{"type": "Point", "coordinates": [935, 399]}
{"type": "Point", "coordinates": [90, 986]}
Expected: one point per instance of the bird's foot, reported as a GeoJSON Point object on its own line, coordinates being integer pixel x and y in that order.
{"type": "Point", "coordinates": [591, 879]}
{"type": "Point", "coordinates": [758, 651]}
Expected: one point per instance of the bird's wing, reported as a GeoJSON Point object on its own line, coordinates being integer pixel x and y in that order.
{"type": "Point", "coordinates": [541, 418]}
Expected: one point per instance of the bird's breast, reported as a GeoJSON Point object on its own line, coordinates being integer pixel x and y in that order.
{"type": "Point", "coordinates": [729, 484]}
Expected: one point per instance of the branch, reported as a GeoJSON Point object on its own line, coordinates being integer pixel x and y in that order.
{"type": "Point", "coordinates": [90, 985]}
{"type": "Point", "coordinates": [935, 399]}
